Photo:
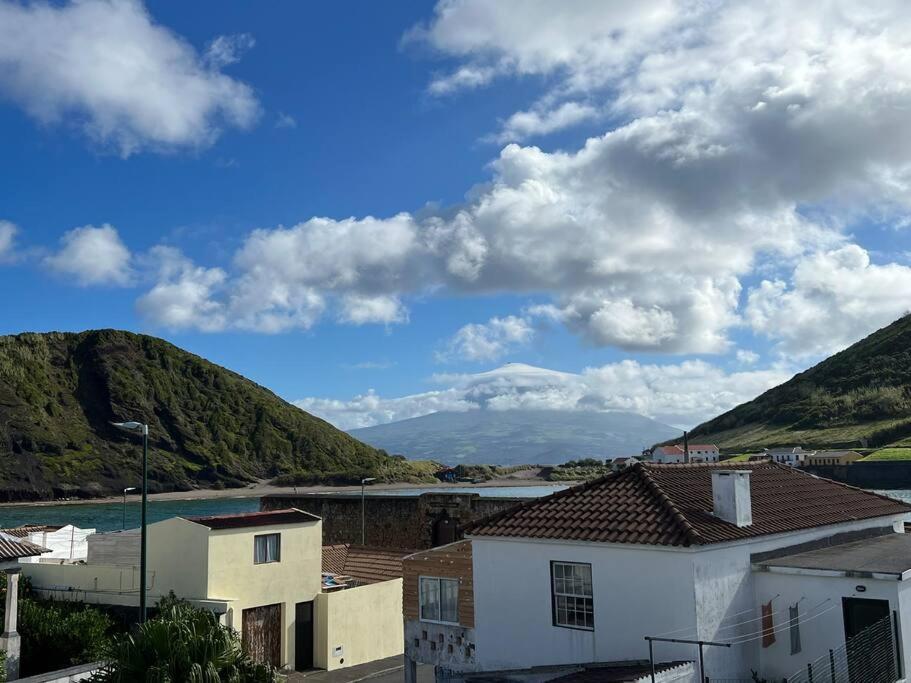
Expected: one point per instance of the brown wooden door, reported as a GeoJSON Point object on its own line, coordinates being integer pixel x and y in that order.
{"type": "Point", "coordinates": [262, 634]}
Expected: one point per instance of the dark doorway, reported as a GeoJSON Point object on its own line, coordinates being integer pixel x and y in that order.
{"type": "Point", "coordinates": [444, 530]}
{"type": "Point", "coordinates": [303, 636]}
{"type": "Point", "coordinates": [262, 635]}
{"type": "Point", "coordinates": [869, 645]}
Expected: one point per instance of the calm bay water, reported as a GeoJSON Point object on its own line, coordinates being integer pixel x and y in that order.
{"type": "Point", "coordinates": [110, 516]}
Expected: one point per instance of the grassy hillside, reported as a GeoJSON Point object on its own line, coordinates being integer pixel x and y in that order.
{"type": "Point", "coordinates": [209, 427]}
{"type": "Point", "coordinates": [860, 397]}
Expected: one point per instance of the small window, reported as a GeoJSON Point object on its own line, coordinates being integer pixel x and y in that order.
{"type": "Point", "coordinates": [439, 600]}
{"type": "Point", "coordinates": [571, 592]}
{"type": "Point", "coordinates": [267, 548]}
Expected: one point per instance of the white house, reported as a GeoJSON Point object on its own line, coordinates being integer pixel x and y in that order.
{"type": "Point", "coordinates": [673, 455]}
{"type": "Point", "coordinates": [697, 552]}
{"type": "Point", "coordinates": [795, 456]}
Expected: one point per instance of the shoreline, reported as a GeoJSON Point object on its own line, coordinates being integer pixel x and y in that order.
{"type": "Point", "coordinates": [263, 489]}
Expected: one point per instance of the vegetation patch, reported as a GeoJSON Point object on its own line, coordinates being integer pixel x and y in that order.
{"type": "Point", "coordinates": [888, 455]}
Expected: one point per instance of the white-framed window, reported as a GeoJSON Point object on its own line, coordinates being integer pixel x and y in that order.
{"type": "Point", "coordinates": [439, 599]}
{"type": "Point", "coordinates": [267, 548]}
{"type": "Point", "coordinates": [571, 593]}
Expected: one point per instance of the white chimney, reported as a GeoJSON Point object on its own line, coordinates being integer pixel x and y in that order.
{"type": "Point", "coordinates": [731, 496]}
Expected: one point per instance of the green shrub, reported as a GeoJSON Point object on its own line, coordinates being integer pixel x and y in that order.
{"type": "Point", "coordinates": [182, 644]}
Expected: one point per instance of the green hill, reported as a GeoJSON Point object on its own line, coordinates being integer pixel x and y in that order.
{"type": "Point", "coordinates": [209, 427]}
{"type": "Point", "coordinates": [860, 397]}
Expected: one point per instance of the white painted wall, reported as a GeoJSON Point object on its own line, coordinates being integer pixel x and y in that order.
{"type": "Point", "coordinates": [825, 630]}
{"type": "Point", "coordinates": [638, 591]}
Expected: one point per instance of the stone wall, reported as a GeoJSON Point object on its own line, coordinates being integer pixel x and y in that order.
{"type": "Point", "coordinates": [868, 475]}
{"type": "Point", "coordinates": [409, 522]}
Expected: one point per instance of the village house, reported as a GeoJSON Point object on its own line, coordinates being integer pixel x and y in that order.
{"type": "Point", "coordinates": [776, 565]}
{"type": "Point", "coordinates": [262, 573]}
{"type": "Point", "coordinates": [795, 456]}
{"type": "Point", "coordinates": [673, 455]}
{"type": "Point", "coordinates": [830, 458]}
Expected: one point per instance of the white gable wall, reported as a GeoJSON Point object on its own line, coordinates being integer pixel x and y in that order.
{"type": "Point", "coordinates": [638, 591]}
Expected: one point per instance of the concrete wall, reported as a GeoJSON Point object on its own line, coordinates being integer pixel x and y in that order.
{"type": "Point", "coordinates": [98, 584]}
{"type": "Point", "coordinates": [359, 625]}
{"type": "Point", "coordinates": [296, 578]}
{"type": "Point", "coordinates": [178, 555]}
{"type": "Point", "coordinates": [391, 521]}
{"type": "Point", "coordinates": [83, 672]}
{"type": "Point", "coordinates": [820, 633]}
{"type": "Point", "coordinates": [638, 591]}
{"type": "Point", "coordinates": [115, 547]}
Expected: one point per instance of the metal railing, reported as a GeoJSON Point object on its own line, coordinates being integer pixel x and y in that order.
{"type": "Point", "coordinates": [868, 657]}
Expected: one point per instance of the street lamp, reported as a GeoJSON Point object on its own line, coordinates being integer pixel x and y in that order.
{"type": "Point", "coordinates": [144, 430]}
{"type": "Point", "coordinates": [125, 491]}
{"type": "Point", "coordinates": [363, 514]}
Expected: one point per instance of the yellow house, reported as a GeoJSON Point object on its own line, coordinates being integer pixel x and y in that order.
{"type": "Point", "coordinates": [262, 573]}
{"type": "Point", "coordinates": [833, 458]}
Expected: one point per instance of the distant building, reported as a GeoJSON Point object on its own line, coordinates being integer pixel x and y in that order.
{"type": "Point", "coordinates": [671, 455]}
{"type": "Point", "coordinates": [781, 565]}
{"type": "Point", "coordinates": [622, 462]}
{"type": "Point", "coordinates": [833, 458]}
{"type": "Point", "coordinates": [795, 456]}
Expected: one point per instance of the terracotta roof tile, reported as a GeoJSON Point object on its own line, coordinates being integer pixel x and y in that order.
{"type": "Point", "coordinates": [11, 548]}
{"type": "Point", "coordinates": [672, 505]}
{"type": "Point", "coordinates": [24, 530]}
{"type": "Point", "coordinates": [366, 564]}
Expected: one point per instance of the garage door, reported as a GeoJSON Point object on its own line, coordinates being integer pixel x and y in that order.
{"type": "Point", "coordinates": [262, 633]}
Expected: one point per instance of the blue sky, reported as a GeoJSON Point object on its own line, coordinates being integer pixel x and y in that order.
{"type": "Point", "coordinates": [550, 192]}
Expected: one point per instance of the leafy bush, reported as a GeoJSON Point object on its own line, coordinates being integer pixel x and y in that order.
{"type": "Point", "coordinates": [57, 634]}
{"type": "Point", "coordinates": [182, 644]}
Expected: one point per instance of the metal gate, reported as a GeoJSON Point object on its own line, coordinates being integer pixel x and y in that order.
{"type": "Point", "coordinates": [262, 634]}
{"type": "Point", "coordinates": [868, 657]}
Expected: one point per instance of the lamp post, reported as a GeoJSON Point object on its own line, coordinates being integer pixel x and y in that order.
{"type": "Point", "coordinates": [125, 491]}
{"type": "Point", "coordinates": [144, 430]}
{"type": "Point", "coordinates": [363, 508]}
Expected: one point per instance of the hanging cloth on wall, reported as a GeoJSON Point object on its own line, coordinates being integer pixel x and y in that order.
{"type": "Point", "coordinates": [794, 617]}
{"type": "Point", "coordinates": [768, 625]}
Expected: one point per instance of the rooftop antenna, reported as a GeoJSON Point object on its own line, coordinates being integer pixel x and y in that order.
{"type": "Point", "coordinates": [686, 449]}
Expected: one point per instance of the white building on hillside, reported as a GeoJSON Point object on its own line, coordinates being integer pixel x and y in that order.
{"type": "Point", "coordinates": [780, 565]}
{"type": "Point", "coordinates": [795, 456]}
{"type": "Point", "coordinates": [673, 455]}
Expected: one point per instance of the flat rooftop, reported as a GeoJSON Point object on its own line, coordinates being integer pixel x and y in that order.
{"type": "Point", "coordinates": [888, 555]}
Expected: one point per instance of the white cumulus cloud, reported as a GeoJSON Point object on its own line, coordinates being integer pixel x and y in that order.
{"type": "Point", "coordinates": [833, 299]}
{"type": "Point", "coordinates": [93, 256]}
{"type": "Point", "coordinates": [681, 394]}
{"type": "Point", "coordinates": [8, 233]}
{"type": "Point", "coordinates": [109, 68]}
{"type": "Point", "coordinates": [490, 340]}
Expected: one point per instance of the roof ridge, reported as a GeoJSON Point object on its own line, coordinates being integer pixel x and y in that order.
{"type": "Point", "coordinates": [525, 504]}
{"type": "Point", "coordinates": [692, 535]}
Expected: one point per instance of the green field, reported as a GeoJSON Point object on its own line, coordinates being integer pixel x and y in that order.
{"type": "Point", "coordinates": [890, 454]}
{"type": "Point", "coordinates": [743, 457]}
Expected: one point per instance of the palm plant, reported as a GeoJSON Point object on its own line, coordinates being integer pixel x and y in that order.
{"type": "Point", "coordinates": [182, 644]}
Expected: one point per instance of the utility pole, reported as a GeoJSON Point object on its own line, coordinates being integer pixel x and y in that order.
{"type": "Point", "coordinates": [144, 430]}
{"type": "Point", "coordinates": [686, 448]}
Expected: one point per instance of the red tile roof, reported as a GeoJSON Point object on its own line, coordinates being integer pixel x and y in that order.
{"type": "Point", "coordinates": [251, 519]}
{"type": "Point", "coordinates": [24, 530]}
{"type": "Point", "coordinates": [672, 505]}
{"type": "Point", "coordinates": [12, 549]}
{"type": "Point", "coordinates": [369, 565]}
